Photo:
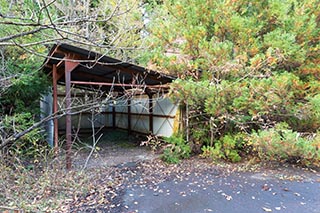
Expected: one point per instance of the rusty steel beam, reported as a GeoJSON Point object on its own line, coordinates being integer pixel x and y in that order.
{"type": "Point", "coordinates": [51, 55]}
{"type": "Point", "coordinates": [69, 67]}
{"type": "Point", "coordinates": [117, 84]}
{"type": "Point", "coordinates": [143, 114]}
{"type": "Point", "coordinates": [68, 118]}
{"type": "Point", "coordinates": [156, 77]}
{"type": "Point", "coordinates": [55, 108]}
{"type": "Point", "coordinates": [133, 114]}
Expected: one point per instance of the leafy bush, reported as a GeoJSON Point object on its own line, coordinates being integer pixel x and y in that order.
{"type": "Point", "coordinates": [247, 105]}
{"type": "Point", "coordinates": [215, 153]}
{"type": "Point", "coordinates": [177, 150]}
{"type": "Point", "coordinates": [19, 104]}
{"type": "Point", "coordinates": [31, 145]}
{"type": "Point", "coordinates": [315, 109]}
{"type": "Point", "coordinates": [243, 67]}
{"type": "Point", "coordinates": [228, 148]}
{"type": "Point", "coordinates": [283, 144]}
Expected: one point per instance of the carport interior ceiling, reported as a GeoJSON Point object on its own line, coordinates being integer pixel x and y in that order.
{"type": "Point", "coordinates": [73, 66]}
{"type": "Point", "coordinates": [94, 67]}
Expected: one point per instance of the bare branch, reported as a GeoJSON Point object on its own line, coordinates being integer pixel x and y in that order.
{"type": "Point", "coordinates": [21, 34]}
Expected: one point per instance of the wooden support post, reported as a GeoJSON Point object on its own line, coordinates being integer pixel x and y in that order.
{"type": "Point", "coordinates": [150, 113]}
{"type": "Point", "coordinates": [55, 109]}
{"type": "Point", "coordinates": [129, 116]}
{"type": "Point", "coordinates": [69, 66]}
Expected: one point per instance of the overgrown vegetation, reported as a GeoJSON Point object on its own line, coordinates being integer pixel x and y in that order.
{"type": "Point", "coordinates": [19, 105]}
{"type": "Point", "coordinates": [249, 75]}
{"type": "Point", "coordinates": [31, 147]}
{"type": "Point", "coordinates": [282, 144]}
{"type": "Point", "coordinates": [228, 148]}
{"type": "Point", "coordinates": [49, 189]}
{"type": "Point", "coordinates": [178, 149]}
{"type": "Point", "coordinates": [245, 68]}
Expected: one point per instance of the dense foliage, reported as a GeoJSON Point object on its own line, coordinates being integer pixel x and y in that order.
{"type": "Point", "coordinates": [244, 67]}
{"type": "Point", "coordinates": [20, 103]}
{"type": "Point", "coordinates": [249, 77]}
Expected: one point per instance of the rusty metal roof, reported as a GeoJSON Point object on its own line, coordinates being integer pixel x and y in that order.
{"type": "Point", "coordinates": [95, 68]}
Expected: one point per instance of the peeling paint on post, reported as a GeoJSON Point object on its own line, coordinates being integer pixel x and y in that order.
{"type": "Point", "coordinates": [68, 118]}
{"type": "Point", "coordinates": [69, 66]}
{"type": "Point", "coordinates": [55, 108]}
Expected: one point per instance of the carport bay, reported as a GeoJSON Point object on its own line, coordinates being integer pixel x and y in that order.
{"type": "Point", "coordinates": [126, 96]}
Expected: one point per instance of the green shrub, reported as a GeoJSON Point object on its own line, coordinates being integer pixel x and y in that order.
{"type": "Point", "coordinates": [215, 153]}
{"type": "Point", "coordinates": [228, 148]}
{"type": "Point", "coordinates": [177, 150]}
{"type": "Point", "coordinates": [283, 144]}
{"type": "Point", "coordinates": [315, 109]}
{"type": "Point", "coordinates": [242, 67]}
{"type": "Point", "coordinates": [31, 146]}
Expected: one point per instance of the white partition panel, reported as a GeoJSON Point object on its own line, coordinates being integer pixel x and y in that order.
{"type": "Point", "coordinates": [46, 110]}
{"type": "Point", "coordinates": [164, 125]}
{"type": "Point", "coordinates": [140, 123]}
{"type": "Point", "coordinates": [165, 107]}
{"type": "Point", "coordinates": [140, 114]}
{"type": "Point", "coordinates": [163, 116]}
{"type": "Point", "coordinates": [85, 121]}
{"type": "Point", "coordinates": [140, 105]}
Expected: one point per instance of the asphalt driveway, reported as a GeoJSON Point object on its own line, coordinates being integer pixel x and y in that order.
{"type": "Point", "coordinates": [236, 192]}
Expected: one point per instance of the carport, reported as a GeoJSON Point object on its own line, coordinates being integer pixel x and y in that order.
{"type": "Point", "coordinates": [74, 67]}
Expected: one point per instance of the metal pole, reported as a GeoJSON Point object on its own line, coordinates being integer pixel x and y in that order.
{"type": "Point", "coordinates": [69, 67]}
{"type": "Point", "coordinates": [120, 85]}
{"type": "Point", "coordinates": [68, 118]}
{"type": "Point", "coordinates": [55, 108]}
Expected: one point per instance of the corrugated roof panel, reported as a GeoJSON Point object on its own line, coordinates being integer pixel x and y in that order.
{"type": "Point", "coordinates": [95, 67]}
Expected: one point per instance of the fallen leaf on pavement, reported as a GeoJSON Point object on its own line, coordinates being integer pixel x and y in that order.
{"type": "Point", "coordinates": [266, 209]}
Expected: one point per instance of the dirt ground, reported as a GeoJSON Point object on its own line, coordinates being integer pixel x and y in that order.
{"type": "Point", "coordinates": [115, 147]}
